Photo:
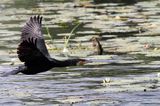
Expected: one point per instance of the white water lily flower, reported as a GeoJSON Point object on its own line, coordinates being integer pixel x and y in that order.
{"type": "Point", "coordinates": [106, 81]}
{"type": "Point", "coordinates": [158, 74]}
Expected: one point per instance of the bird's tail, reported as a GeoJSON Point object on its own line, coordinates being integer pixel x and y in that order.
{"type": "Point", "coordinates": [13, 72]}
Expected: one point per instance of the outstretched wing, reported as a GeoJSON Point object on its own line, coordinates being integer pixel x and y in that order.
{"type": "Point", "coordinates": [32, 47]}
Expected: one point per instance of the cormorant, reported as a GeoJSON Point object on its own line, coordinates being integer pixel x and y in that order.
{"type": "Point", "coordinates": [33, 52]}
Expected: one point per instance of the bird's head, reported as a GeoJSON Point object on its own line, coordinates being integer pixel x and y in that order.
{"type": "Point", "coordinates": [77, 62]}
{"type": "Point", "coordinates": [81, 62]}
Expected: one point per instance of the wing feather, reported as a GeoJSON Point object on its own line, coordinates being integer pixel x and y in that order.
{"type": "Point", "coordinates": [32, 46]}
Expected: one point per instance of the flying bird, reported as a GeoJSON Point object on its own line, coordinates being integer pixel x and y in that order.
{"type": "Point", "coordinates": [33, 51]}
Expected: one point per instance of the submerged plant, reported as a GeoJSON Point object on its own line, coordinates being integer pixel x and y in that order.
{"type": "Point", "coordinates": [66, 39]}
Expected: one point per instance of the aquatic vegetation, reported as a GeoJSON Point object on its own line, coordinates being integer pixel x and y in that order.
{"type": "Point", "coordinates": [106, 81]}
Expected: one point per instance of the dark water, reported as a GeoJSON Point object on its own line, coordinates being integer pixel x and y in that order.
{"type": "Point", "coordinates": [126, 75]}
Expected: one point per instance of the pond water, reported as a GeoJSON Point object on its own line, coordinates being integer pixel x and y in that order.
{"type": "Point", "coordinates": [126, 74]}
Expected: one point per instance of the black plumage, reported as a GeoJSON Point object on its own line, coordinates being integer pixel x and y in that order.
{"type": "Point", "coordinates": [33, 52]}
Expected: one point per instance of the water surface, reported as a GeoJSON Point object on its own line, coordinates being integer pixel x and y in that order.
{"type": "Point", "coordinates": [126, 74]}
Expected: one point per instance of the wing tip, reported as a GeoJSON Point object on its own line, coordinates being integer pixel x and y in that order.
{"type": "Point", "coordinates": [32, 23]}
{"type": "Point", "coordinates": [35, 19]}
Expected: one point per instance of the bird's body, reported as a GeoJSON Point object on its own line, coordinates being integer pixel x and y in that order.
{"type": "Point", "coordinates": [33, 52]}
{"type": "Point", "coordinates": [48, 64]}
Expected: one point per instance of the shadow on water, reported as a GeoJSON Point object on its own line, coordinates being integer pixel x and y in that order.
{"type": "Point", "coordinates": [126, 74]}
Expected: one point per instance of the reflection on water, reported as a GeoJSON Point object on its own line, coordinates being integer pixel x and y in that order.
{"type": "Point", "coordinates": [127, 73]}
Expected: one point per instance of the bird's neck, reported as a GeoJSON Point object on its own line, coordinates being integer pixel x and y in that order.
{"type": "Point", "coordinates": [99, 47]}
{"type": "Point", "coordinates": [70, 62]}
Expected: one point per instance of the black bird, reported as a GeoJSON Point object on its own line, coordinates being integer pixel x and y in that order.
{"type": "Point", "coordinates": [33, 52]}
